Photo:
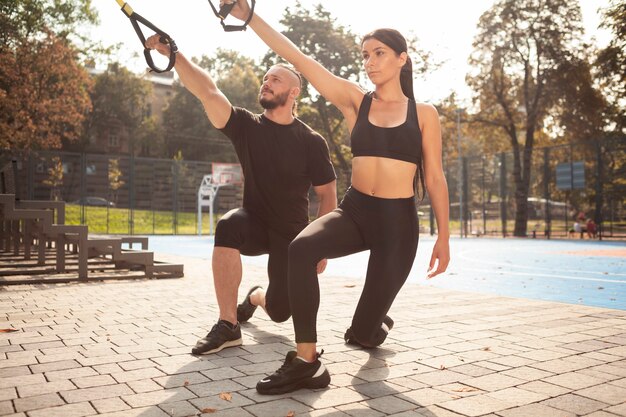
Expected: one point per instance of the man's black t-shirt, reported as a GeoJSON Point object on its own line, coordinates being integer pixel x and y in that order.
{"type": "Point", "coordinates": [280, 163]}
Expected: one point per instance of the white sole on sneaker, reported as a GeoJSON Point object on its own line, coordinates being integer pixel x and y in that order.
{"type": "Point", "coordinates": [230, 343]}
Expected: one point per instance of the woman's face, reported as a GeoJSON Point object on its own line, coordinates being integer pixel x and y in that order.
{"type": "Point", "coordinates": [381, 63]}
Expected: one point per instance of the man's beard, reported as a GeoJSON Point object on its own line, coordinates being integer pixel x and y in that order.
{"type": "Point", "coordinates": [277, 101]}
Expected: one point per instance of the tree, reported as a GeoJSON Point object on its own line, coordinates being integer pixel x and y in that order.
{"type": "Point", "coordinates": [55, 178]}
{"type": "Point", "coordinates": [150, 139]}
{"type": "Point", "coordinates": [43, 94]}
{"type": "Point", "coordinates": [43, 89]}
{"type": "Point", "coordinates": [611, 63]}
{"type": "Point", "coordinates": [519, 50]}
{"type": "Point", "coordinates": [29, 19]}
{"type": "Point", "coordinates": [115, 178]}
{"type": "Point", "coordinates": [119, 99]}
{"type": "Point", "coordinates": [578, 110]}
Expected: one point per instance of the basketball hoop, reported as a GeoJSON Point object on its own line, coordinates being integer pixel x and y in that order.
{"type": "Point", "coordinates": [223, 174]}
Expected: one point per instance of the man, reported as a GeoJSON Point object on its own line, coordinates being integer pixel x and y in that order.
{"type": "Point", "coordinates": [281, 158]}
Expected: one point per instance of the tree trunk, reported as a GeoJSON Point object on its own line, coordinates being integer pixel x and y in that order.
{"type": "Point", "coordinates": [522, 186]}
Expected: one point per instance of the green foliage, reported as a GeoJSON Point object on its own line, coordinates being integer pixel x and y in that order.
{"type": "Point", "coordinates": [55, 178]}
{"type": "Point", "coordinates": [30, 19]}
{"type": "Point", "coordinates": [115, 175]}
{"type": "Point", "coordinates": [611, 63]}
{"type": "Point", "coordinates": [530, 68]}
{"type": "Point", "coordinates": [577, 110]}
{"type": "Point", "coordinates": [118, 96]}
{"type": "Point", "coordinates": [150, 140]}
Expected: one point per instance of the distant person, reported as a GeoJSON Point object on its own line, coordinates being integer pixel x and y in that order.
{"type": "Point", "coordinates": [577, 229]}
{"type": "Point", "coordinates": [592, 229]}
{"type": "Point", "coordinates": [281, 158]}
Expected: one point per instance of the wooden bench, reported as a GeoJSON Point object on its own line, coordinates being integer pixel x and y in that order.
{"type": "Point", "coordinates": [22, 222]}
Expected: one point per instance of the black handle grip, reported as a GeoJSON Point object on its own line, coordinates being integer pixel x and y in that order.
{"type": "Point", "coordinates": [225, 10]}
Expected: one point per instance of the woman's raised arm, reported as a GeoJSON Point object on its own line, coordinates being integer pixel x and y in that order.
{"type": "Point", "coordinates": [344, 94]}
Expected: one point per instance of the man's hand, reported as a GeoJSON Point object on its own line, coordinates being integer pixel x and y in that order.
{"type": "Point", "coordinates": [321, 265]}
{"type": "Point", "coordinates": [153, 42]}
{"type": "Point", "coordinates": [241, 10]}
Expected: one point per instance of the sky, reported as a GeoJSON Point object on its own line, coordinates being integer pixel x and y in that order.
{"type": "Point", "coordinates": [444, 27]}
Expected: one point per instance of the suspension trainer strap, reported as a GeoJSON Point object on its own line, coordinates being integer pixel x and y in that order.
{"type": "Point", "coordinates": [224, 12]}
{"type": "Point", "coordinates": [164, 38]}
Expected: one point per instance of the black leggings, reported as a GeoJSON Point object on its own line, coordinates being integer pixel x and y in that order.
{"type": "Point", "coordinates": [387, 227]}
{"type": "Point", "coordinates": [238, 229]}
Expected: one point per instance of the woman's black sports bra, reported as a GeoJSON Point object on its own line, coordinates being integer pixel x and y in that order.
{"type": "Point", "coordinates": [403, 142]}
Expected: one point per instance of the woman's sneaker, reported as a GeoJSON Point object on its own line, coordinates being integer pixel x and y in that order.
{"type": "Point", "coordinates": [386, 326]}
{"type": "Point", "coordinates": [221, 336]}
{"type": "Point", "coordinates": [295, 374]}
{"type": "Point", "coordinates": [246, 309]}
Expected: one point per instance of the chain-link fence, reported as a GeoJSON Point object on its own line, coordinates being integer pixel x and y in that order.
{"type": "Point", "coordinates": [119, 194]}
{"type": "Point", "coordinates": [569, 184]}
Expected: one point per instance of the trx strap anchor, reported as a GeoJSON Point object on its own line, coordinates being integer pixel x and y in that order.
{"type": "Point", "coordinates": [164, 38]}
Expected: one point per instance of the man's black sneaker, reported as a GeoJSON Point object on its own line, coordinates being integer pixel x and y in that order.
{"type": "Point", "coordinates": [246, 309]}
{"type": "Point", "coordinates": [221, 336]}
{"type": "Point", "coordinates": [295, 374]}
{"type": "Point", "coordinates": [350, 339]}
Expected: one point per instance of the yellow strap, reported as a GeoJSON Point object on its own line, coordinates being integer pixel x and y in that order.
{"type": "Point", "coordinates": [125, 7]}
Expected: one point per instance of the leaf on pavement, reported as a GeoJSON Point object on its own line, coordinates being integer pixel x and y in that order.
{"type": "Point", "coordinates": [8, 330]}
{"type": "Point", "coordinates": [291, 414]}
{"type": "Point", "coordinates": [208, 410]}
{"type": "Point", "coordinates": [465, 389]}
{"type": "Point", "coordinates": [226, 396]}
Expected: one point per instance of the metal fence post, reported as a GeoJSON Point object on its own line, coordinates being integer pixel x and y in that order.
{"type": "Point", "coordinates": [30, 188]}
{"type": "Point", "coordinates": [546, 190]}
{"type": "Point", "coordinates": [599, 189]}
{"type": "Point", "coordinates": [503, 215]}
{"type": "Point", "coordinates": [482, 194]}
{"type": "Point", "coordinates": [83, 177]}
{"type": "Point", "coordinates": [175, 216]}
{"type": "Point", "coordinates": [465, 194]}
{"type": "Point", "coordinates": [131, 197]}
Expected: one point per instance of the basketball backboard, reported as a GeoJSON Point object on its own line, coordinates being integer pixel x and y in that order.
{"type": "Point", "coordinates": [225, 173]}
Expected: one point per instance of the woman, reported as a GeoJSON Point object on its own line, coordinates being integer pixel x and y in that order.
{"type": "Point", "coordinates": [396, 144]}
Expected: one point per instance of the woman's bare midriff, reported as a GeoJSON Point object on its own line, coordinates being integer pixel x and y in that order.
{"type": "Point", "coordinates": [383, 177]}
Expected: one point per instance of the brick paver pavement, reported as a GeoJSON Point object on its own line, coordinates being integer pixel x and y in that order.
{"type": "Point", "coordinates": [122, 349]}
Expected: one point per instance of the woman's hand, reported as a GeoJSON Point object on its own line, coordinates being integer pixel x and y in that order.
{"type": "Point", "coordinates": [241, 10]}
{"type": "Point", "coordinates": [440, 258]}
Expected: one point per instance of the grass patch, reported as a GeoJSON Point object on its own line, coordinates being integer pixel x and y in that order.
{"type": "Point", "coordinates": [118, 221]}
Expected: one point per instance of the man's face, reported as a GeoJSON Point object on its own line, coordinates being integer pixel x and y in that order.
{"type": "Point", "coordinates": [277, 85]}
